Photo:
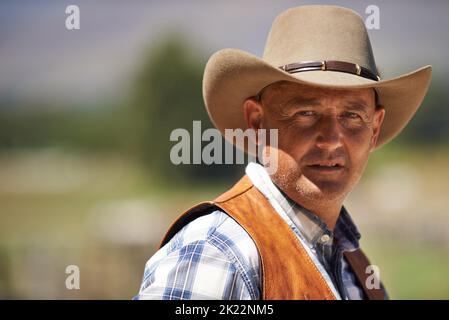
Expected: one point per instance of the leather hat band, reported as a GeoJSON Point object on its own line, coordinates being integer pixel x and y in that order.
{"type": "Point", "coordinates": [330, 65]}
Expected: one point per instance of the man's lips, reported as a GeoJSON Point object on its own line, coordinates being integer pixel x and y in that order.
{"type": "Point", "coordinates": [327, 166]}
{"type": "Point", "coordinates": [325, 169]}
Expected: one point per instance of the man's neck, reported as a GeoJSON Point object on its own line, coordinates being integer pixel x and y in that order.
{"type": "Point", "coordinates": [328, 212]}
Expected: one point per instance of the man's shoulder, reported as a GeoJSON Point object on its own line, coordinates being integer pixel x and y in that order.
{"type": "Point", "coordinates": [213, 226]}
{"type": "Point", "coordinates": [221, 231]}
{"type": "Point", "coordinates": [210, 257]}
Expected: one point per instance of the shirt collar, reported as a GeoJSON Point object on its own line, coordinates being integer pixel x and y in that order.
{"type": "Point", "coordinates": [314, 230]}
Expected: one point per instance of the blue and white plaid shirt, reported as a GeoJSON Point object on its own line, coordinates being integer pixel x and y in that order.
{"type": "Point", "coordinates": [214, 258]}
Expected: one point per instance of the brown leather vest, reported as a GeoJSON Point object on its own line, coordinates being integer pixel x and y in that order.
{"type": "Point", "coordinates": [288, 273]}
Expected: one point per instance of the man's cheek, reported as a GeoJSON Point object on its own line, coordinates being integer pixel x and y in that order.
{"type": "Point", "coordinates": [358, 161]}
{"type": "Point", "coordinates": [359, 137]}
{"type": "Point", "coordinates": [294, 138]}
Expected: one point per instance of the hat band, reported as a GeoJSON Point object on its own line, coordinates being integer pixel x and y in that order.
{"type": "Point", "coordinates": [331, 65]}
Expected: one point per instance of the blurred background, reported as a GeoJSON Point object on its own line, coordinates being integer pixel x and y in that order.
{"type": "Point", "coordinates": [85, 119]}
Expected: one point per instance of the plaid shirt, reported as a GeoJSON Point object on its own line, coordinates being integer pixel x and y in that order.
{"type": "Point", "coordinates": [214, 258]}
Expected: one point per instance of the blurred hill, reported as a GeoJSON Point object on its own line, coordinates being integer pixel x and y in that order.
{"type": "Point", "coordinates": [166, 95]}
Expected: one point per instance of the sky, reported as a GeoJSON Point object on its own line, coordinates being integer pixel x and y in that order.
{"type": "Point", "coordinates": [40, 60]}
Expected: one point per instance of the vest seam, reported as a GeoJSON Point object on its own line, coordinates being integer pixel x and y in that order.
{"type": "Point", "coordinates": [235, 195]}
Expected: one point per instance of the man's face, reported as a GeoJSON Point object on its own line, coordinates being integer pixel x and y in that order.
{"type": "Point", "coordinates": [325, 137]}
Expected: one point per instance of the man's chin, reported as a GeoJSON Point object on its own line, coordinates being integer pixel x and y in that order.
{"type": "Point", "coordinates": [322, 189]}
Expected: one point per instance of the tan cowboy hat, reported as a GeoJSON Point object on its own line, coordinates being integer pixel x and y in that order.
{"type": "Point", "coordinates": [319, 45]}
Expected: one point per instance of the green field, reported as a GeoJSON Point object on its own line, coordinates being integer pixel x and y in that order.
{"type": "Point", "coordinates": [104, 214]}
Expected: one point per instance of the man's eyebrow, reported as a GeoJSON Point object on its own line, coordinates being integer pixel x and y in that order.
{"type": "Point", "coordinates": [360, 105]}
{"type": "Point", "coordinates": [302, 102]}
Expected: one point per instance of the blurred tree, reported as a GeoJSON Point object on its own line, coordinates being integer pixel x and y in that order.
{"type": "Point", "coordinates": [93, 129]}
{"type": "Point", "coordinates": [167, 96]}
{"type": "Point", "coordinates": [430, 126]}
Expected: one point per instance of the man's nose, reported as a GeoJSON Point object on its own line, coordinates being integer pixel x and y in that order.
{"type": "Point", "coordinates": [329, 133]}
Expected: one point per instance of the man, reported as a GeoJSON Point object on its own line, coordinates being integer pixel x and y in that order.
{"type": "Point", "coordinates": [286, 234]}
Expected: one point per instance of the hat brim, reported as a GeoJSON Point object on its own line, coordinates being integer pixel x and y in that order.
{"type": "Point", "coordinates": [232, 75]}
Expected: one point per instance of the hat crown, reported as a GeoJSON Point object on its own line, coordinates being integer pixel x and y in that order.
{"type": "Point", "coordinates": [319, 32]}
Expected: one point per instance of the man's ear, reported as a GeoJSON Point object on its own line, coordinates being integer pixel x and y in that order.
{"type": "Point", "coordinates": [379, 115]}
{"type": "Point", "coordinates": [253, 113]}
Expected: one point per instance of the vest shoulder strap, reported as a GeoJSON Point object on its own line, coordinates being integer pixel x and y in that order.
{"type": "Point", "coordinates": [359, 263]}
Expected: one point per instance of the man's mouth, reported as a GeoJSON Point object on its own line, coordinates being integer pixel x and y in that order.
{"type": "Point", "coordinates": [327, 166]}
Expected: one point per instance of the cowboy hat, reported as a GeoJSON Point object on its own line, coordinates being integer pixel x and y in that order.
{"type": "Point", "coordinates": [319, 45]}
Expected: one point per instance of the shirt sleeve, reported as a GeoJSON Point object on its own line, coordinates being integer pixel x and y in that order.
{"type": "Point", "coordinates": [197, 270]}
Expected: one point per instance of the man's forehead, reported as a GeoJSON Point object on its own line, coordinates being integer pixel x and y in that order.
{"type": "Point", "coordinates": [288, 89]}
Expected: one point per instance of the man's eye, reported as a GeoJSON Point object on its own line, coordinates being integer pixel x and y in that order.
{"type": "Point", "coordinates": [305, 113]}
{"type": "Point", "coordinates": [351, 115]}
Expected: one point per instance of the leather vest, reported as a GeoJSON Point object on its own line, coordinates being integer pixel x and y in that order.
{"type": "Point", "coordinates": [288, 272]}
